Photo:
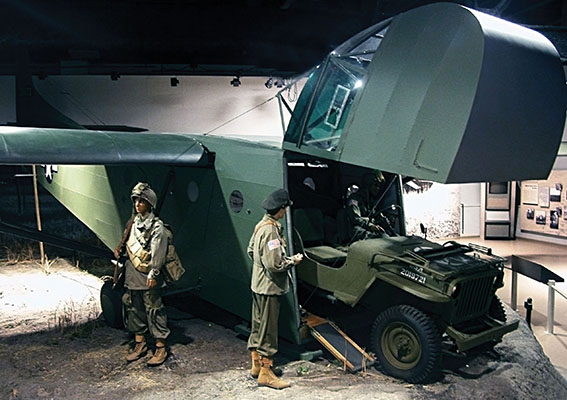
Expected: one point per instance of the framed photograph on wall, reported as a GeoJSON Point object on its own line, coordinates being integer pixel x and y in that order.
{"type": "Point", "coordinates": [540, 217]}
{"type": "Point", "coordinates": [553, 219]}
{"type": "Point", "coordinates": [530, 213]}
{"type": "Point", "coordinates": [555, 192]}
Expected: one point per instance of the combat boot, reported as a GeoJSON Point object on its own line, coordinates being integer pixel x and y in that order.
{"type": "Point", "coordinates": [255, 370]}
{"type": "Point", "coordinates": [267, 376]}
{"type": "Point", "coordinates": [140, 350]}
{"type": "Point", "coordinates": [159, 357]}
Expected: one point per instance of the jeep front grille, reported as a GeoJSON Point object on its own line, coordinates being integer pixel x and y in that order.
{"type": "Point", "coordinates": [474, 297]}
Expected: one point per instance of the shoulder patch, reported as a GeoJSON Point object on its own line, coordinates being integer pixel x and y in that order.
{"type": "Point", "coordinates": [274, 244]}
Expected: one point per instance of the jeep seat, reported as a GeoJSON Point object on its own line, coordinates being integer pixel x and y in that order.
{"type": "Point", "coordinates": [309, 224]}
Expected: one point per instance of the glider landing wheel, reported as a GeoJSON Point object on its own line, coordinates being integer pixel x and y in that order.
{"type": "Point", "coordinates": [111, 303]}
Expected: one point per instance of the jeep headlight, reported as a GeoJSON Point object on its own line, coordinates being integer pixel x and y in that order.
{"type": "Point", "coordinates": [455, 291]}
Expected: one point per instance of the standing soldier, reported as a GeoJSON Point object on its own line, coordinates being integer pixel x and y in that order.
{"type": "Point", "coordinates": [146, 244]}
{"type": "Point", "coordinates": [269, 282]}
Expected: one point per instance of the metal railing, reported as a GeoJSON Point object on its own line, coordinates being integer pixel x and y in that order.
{"type": "Point", "coordinates": [551, 304]}
{"type": "Point", "coordinates": [539, 273]}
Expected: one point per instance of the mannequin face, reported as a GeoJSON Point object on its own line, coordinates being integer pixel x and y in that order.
{"type": "Point", "coordinates": [280, 214]}
{"type": "Point", "coordinates": [374, 188]}
{"type": "Point", "coordinates": [141, 205]}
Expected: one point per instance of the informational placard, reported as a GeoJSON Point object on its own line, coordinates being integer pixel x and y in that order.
{"type": "Point", "coordinates": [530, 193]}
{"type": "Point", "coordinates": [543, 205]}
{"type": "Point", "coordinates": [543, 196]}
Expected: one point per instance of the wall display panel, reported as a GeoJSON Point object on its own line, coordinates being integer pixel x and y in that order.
{"type": "Point", "coordinates": [543, 205]}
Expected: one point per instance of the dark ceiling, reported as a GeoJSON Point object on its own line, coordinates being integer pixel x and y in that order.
{"type": "Point", "coordinates": [216, 37]}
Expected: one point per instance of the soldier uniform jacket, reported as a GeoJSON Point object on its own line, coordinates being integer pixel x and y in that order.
{"type": "Point", "coordinates": [267, 250]}
{"type": "Point", "coordinates": [358, 208]}
{"type": "Point", "coordinates": [150, 233]}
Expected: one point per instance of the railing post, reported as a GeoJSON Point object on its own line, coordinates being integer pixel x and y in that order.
{"type": "Point", "coordinates": [550, 305]}
{"type": "Point", "coordinates": [514, 295]}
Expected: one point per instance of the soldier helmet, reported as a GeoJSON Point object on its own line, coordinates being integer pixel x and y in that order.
{"type": "Point", "coordinates": [144, 191]}
{"type": "Point", "coordinates": [277, 199]}
{"type": "Point", "coordinates": [375, 176]}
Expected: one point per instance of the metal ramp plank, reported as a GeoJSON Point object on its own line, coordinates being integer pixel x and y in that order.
{"type": "Point", "coordinates": [338, 343]}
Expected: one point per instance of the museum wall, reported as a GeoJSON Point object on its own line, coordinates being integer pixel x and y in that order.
{"type": "Point", "coordinates": [542, 204]}
{"type": "Point", "coordinates": [543, 207]}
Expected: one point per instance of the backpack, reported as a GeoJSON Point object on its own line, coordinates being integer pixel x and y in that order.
{"type": "Point", "coordinates": [173, 269]}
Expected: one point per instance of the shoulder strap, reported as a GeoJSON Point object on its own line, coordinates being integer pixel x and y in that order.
{"type": "Point", "coordinates": [260, 225]}
{"type": "Point", "coordinates": [148, 233]}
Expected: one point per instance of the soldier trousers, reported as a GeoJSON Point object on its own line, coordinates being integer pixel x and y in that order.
{"type": "Point", "coordinates": [145, 312]}
{"type": "Point", "coordinates": [264, 325]}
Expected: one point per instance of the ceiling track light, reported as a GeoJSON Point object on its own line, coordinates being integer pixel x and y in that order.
{"type": "Point", "coordinates": [269, 83]}
{"type": "Point", "coordinates": [174, 81]}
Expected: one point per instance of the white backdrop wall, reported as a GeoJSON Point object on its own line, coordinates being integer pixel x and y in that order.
{"type": "Point", "coordinates": [198, 104]}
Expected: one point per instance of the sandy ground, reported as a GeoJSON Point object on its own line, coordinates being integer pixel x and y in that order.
{"type": "Point", "coordinates": [53, 344]}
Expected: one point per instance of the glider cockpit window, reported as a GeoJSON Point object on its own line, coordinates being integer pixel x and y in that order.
{"type": "Point", "coordinates": [328, 94]}
{"type": "Point", "coordinates": [332, 102]}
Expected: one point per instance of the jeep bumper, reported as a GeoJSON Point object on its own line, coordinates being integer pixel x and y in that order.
{"type": "Point", "coordinates": [467, 341]}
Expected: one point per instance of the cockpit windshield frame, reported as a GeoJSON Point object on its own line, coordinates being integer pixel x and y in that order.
{"type": "Point", "coordinates": [321, 114]}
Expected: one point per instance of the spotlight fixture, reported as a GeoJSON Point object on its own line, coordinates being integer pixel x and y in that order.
{"type": "Point", "coordinates": [174, 81]}
{"type": "Point", "coordinates": [114, 76]}
{"type": "Point", "coordinates": [269, 83]}
{"type": "Point", "coordinates": [279, 83]}
{"type": "Point", "coordinates": [235, 81]}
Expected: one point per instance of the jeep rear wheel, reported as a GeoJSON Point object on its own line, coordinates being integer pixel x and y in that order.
{"type": "Point", "coordinates": [407, 344]}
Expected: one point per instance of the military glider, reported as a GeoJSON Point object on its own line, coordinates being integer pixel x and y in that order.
{"type": "Point", "coordinates": [442, 93]}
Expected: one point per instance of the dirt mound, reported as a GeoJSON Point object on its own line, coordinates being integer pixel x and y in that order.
{"type": "Point", "coordinates": [52, 350]}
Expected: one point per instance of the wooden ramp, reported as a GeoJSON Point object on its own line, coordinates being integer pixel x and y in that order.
{"type": "Point", "coordinates": [338, 343]}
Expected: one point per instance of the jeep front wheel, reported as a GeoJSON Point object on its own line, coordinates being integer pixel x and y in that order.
{"type": "Point", "coordinates": [407, 344]}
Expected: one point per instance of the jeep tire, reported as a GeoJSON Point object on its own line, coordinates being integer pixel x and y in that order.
{"type": "Point", "coordinates": [407, 344]}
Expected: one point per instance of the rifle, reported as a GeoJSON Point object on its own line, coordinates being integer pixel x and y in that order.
{"type": "Point", "coordinates": [375, 215]}
{"type": "Point", "coordinates": [118, 276]}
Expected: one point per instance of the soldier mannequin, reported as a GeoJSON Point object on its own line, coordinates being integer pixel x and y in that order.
{"type": "Point", "coordinates": [267, 248]}
{"type": "Point", "coordinates": [146, 248]}
{"type": "Point", "coordinates": [359, 206]}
